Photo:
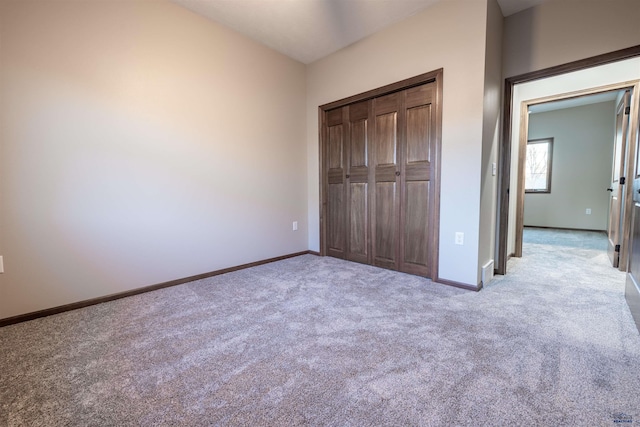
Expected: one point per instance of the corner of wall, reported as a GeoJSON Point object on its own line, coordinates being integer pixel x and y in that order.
{"type": "Point", "coordinates": [492, 112]}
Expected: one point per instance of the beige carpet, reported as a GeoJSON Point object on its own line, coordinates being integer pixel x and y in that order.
{"type": "Point", "coordinates": [323, 342]}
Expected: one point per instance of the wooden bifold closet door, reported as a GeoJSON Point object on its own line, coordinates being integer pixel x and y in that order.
{"type": "Point", "coordinates": [379, 176]}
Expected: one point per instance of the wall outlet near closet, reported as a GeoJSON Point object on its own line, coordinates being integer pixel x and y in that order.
{"type": "Point", "coordinates": [1, 264]}
{"type": "Point", "coordinates": [588, 211]}
{"type": "Point", "coordinates": [295, 226]}
{"type": "Point", "coordinates": [459, 238]}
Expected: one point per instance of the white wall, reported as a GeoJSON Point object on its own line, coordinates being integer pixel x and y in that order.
{"type": "Point", "coordinates": [449, 35]}
{"type": "Point", "coordinates": [139, 144]}
{"type": "Point", "coordinates": [581, 167]}
{"type": "Point", "coordinates": [619, 72]}
{"type": "Point", "coordinates": [561, 31]}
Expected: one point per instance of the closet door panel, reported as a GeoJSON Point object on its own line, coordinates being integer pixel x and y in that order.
{"type": "Point", "coordinates": [416, 198]}
{"type": "Point", "coordinates": [386, 177]}
{"type": "Point", "coordinates": [417, 166]}
{"type": "Point", "coordinates": [359, 225]}
{"type": "Point", "coordinates": [380, 178]}
{"type": "Point", "coordinates": [358, 184]}
{"type": "Point", "coordinates": [385, 229]}
{"type": "Point", "coordinates": [358, 144]}
{"type": "Point", "coordinates": [336, 219]}
{"type": "Point", "coordinates": [386, 138]}
{"type": "Point", "coordinates": [415, 225]}
{"type": "Point", "coordinates": [336, 146]}
{"type": "Point", "coordinates": [335, 149]}
{"type": "Point", "coordinates": [418, 122]}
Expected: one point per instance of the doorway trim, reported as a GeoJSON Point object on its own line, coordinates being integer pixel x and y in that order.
{"type": "Point", "coordinates": [505, 146]}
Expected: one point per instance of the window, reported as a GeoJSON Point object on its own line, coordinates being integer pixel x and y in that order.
{"type": "Point", "coordinates": [537, 177]}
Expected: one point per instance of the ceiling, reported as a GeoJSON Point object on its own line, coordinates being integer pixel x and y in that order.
{"type": "Point", "coordinates": [307, 30]}
{"type": "Point", "coordinates": [575, 102]}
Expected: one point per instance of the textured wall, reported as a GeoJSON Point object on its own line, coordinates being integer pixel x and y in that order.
{"type": "Point", "coordinates": [491, 133]}
{"type": "Point", "coordinates": [561, 31]}
{"type": "Point", "coordinates": [581, 167]}
{"type": "Point", "coordinates": [140, 143]}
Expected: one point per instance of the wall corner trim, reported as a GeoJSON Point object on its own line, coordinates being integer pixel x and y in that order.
{"type": "Point", "coordinates": [460, 285]}
{"type": "Point", "coordinates": [99, 300]}
{"type": "Point", "coordinates": [632, 295]}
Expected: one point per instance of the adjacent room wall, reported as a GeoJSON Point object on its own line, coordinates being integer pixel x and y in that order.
{"type": "Point", "coordinates": [140, 143]}
{"type": "Point", "coordinates": [581, 167]}
{"type": "Point", "coordinates": [561, 31]}
{"type": "Point", "coordinates": [450, 35]}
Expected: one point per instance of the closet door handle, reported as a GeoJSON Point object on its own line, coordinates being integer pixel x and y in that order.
{"type": "Point", "coordinates": [398, 173]}
{"type": "Point", "coordinates": [347, 176]}
{"type": "Point", "coordinates": [609, 189]}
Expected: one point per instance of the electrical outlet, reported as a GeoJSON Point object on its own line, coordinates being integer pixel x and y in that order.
{"type": "Point", "coordinates": [295, 226]}
{"type": "Point", "coordinates": [494, 168]}
{"type": "Point", "coordinates": [1, 264]}
{"type": "Point", "coordinates": [459, 238]}
{"type": "Point", "coordinates": [588, 211]}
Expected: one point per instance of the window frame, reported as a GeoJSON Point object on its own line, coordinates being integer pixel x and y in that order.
{"type": "Point", "coordinates": [547, 190]}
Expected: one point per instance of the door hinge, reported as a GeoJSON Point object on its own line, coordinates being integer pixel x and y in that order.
{"type": "Point", "coordinates": [617, 249]}
{"type": "Point", "coordinates": [627, 110]}
{"type": "Point", "coordinates": [622, 180]}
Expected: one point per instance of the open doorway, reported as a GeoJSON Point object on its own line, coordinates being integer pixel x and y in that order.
{"type": "Point", "coordinates": [581, 140]}
{"type": "Point", "coordinates": [617, 70]}
{"type": "Point", "coordinates": [609, 72]}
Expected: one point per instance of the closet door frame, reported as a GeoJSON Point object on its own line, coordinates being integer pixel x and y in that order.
{"type": "Point", "coordinates": [430, 77]}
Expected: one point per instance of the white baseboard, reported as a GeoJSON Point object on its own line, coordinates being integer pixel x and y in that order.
{"type": "Point", "coordinates": [487, 272]}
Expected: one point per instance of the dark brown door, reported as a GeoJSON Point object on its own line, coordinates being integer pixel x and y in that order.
{"type": "Point", "coordinates": [380, 166]}
{"type": "Point", "coordinates": [347, 157]}
{"type": "Point", "coordinates": [632, 289]}
{"type": "Point", "coordinates": [357, 178]}
{"type": "Point", "coordinates": [386, 180]}
{"type": "Point", "coordinates": [416, 173]}
{"type": "Point", "coordinates": [336, 208]}
{"type": "Point", "coordinates": [404, 140]}
{"type": "Point", "coordinates": [616, 199]}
